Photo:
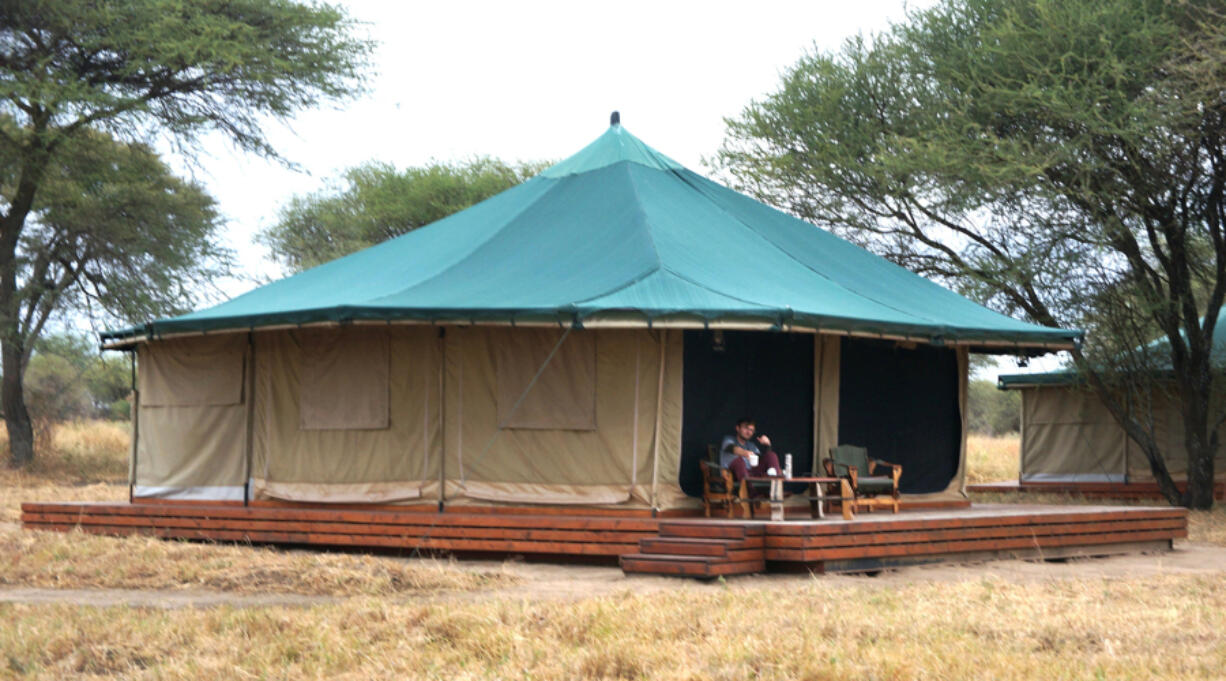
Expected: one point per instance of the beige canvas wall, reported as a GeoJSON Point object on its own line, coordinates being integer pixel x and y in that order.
{"type": "Point", "coordinates": [1068, 433]}
{"type": "Point", "coordinates": [361, 463]}
{"type": "Point", "coordinates": [192, 417]}
{"type": "Point", "coordinates": [826, 401]}
{"type": "Point", "coordinates": [622, 449]}
{"type": "Point", "coordinates": [343, 382]}
{"type": "Point", "coordinates": [609, 464]}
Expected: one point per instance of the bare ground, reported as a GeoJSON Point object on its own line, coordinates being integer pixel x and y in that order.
{"type": "Point", "coordinates": [552, 582]}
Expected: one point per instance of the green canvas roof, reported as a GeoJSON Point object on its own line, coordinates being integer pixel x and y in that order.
{"type": "Point", "coordinates": [618, 232]}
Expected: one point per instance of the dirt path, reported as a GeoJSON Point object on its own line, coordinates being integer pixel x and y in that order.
{"type": "Point", "coordinates": [542, 582]}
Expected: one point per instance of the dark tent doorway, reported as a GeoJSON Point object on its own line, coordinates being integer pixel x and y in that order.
{"type": "Point", "coordinates": [902, 404]}
{"type": "Point", "coordinates": [729, 374]}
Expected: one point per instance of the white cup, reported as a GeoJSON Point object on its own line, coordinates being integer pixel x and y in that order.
{"type": "Point", "coordinates": [753, 460]}
{"type": "Point", "coordinates": [772, 471]}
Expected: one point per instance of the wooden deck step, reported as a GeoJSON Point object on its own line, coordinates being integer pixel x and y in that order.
{"type": "Point", "coordinates": [690, 566]}
{"type": "Point", "coordinates": [700, 550]}
{"type": "Point", "coordinates": [685, 546]}
{"type": "Point", "coordinates": [708, 530]}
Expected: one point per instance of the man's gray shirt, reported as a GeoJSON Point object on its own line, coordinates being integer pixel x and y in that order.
{"type": "Point", "coordinates": [726, 456]}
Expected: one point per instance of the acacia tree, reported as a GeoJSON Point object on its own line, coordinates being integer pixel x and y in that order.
{"type": "Point", "coordinates": [1059, 160]}
{"type": "Point", "coordinates": [132, 69]}
{"type": "Point", "coordinates": [379, 202]}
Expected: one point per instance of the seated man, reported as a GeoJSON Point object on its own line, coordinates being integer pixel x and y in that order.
{"type": "Point", "coordinates": [735, 450]}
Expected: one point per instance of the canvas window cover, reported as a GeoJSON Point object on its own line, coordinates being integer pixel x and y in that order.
{"type": "Point", "coordinates": [193, 372]}
{"type": "Point", "coordinates": [344, 379]}
{"type": "Point", "coordinates": [563, 397]}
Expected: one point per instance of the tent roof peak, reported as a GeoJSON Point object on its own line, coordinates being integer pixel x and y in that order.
{"type": "Point", "coordinates": [616, 145]}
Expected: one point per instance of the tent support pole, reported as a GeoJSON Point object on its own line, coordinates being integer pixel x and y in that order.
{"type": "Point", "coordinates": [818, 357]}
{"type": "Point", "coordinates": [442, 398]}
{"type": "Point", "coordinates": [135, 425]}
{"type": "Point", "coordinates": [634, 456]}
{"type": "Point", "coordinates": [250, 396]}
{"type": "Point", "coordinates": [655, 441]}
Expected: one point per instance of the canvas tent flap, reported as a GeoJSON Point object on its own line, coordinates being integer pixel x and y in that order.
{"type": "Point", "coordinates": [342, 493]}
{"type": "Point", "coordinates": [485, 462]}
{"type": "Point", "coordinates": [192, 417]}
{"type": "Point", "coordinates": [396, 462]}
{"type": "Point", "coordinates": [344, 378]}
{"type": "Point", "coordinates": [1069, 436]}
{"type": "Point", "coordinates": [193, 371]}
{"type": "Point", "coordinates": [826, 404]}
{"type": "Point", "coordinates": [537, 389]}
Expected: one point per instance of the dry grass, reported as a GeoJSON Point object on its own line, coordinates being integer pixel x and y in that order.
{"type": "Point", "coordinates": [1208, 526]}
{"type": "Point", "coordinates": [76, 560]}
{"type": "Point", "coordinates": [1162, 628]}
{"type": "Point", "coordinates": [992, 459]}
{"type": "Point", "coordinates": [81, 452]}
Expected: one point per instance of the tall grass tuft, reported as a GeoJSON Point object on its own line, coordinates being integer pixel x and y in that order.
{"type": "Point", "coordinates": [992, 459]}
{"type": "Point", "coordinates": [81, 452]}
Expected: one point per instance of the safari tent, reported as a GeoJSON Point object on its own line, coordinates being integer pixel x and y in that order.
{"type": "Point", "coordinates": [577, 340]}
{"type": "Point", "coordinates": [1069, 437]}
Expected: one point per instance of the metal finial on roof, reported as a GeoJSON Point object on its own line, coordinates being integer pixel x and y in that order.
{"type": "Point", "coordinates": [615, 118]}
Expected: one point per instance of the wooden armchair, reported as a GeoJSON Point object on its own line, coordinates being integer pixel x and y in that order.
{"type": "Point", "coordinates": [861, 471]}
{"type": "Point", "coordinates": [720, 491]}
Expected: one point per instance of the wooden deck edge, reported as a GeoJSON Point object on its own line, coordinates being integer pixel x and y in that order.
{"type": "Point", "coordinates": [1020, 517]}
{"type": "Point", "coordinates": [1088, 490]}
{"type": "Point", "coordinates": [339, 516]}
{"type": "Point", "coordinates": [431, 507]}
{"type": "Point", "coordinates": [994, 532]}
{"type": "Point", "coordinates": [965, 546]}
{"type": "Point", "coordinates": [306, 538]}
{"type": "Point", "coordinates": [1048, 553]}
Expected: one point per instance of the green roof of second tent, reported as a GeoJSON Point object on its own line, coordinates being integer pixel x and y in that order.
{"type": "Point", "coordinates": [618, 231]}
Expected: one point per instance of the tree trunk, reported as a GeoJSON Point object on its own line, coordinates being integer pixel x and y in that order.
{"type": "Point", "coordinates": [1200, 477]}
{"type": "Point", "coordinates": [16, 416]}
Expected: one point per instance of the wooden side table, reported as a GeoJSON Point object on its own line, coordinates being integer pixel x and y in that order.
{"type": "Point", "coordinates": [817, 497]}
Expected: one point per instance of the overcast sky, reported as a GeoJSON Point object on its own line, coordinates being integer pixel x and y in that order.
{"type": "Point", "coordinates": [531, 81]}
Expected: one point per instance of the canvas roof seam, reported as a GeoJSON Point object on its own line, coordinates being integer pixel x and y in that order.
{"type": "Point", "coordinates": [638, 206]}
{"type": "Point", "coordinates": [761, 306]}
{"type": "Point", "coordinates": [736, 219]}
{"type": "Point", "coordinates": [622, 287]}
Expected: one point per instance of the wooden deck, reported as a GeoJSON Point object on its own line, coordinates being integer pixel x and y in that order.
{"type": "Point", "coordinates": [696, 547]}
{"type": "Point", "coordinates": [1088, 490]}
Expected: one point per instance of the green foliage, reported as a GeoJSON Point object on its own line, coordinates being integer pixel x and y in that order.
{"type": "Point", "coordinates": [379, 202]}
{"type": "Point", "coordinates": [55, 391]}
{"type": "Point", "coordinates": [185, 68]}
{"type": "Point", "coordinates": [68, 378]}
{"type": "Point", "coordinates": [991, 411]}
{"type": "Point", "coordinates": [90, 219]}
{"type": "Point", "coordinates": [1059, 160]}
{"type": "Point", "coordinates": [114, 232]}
